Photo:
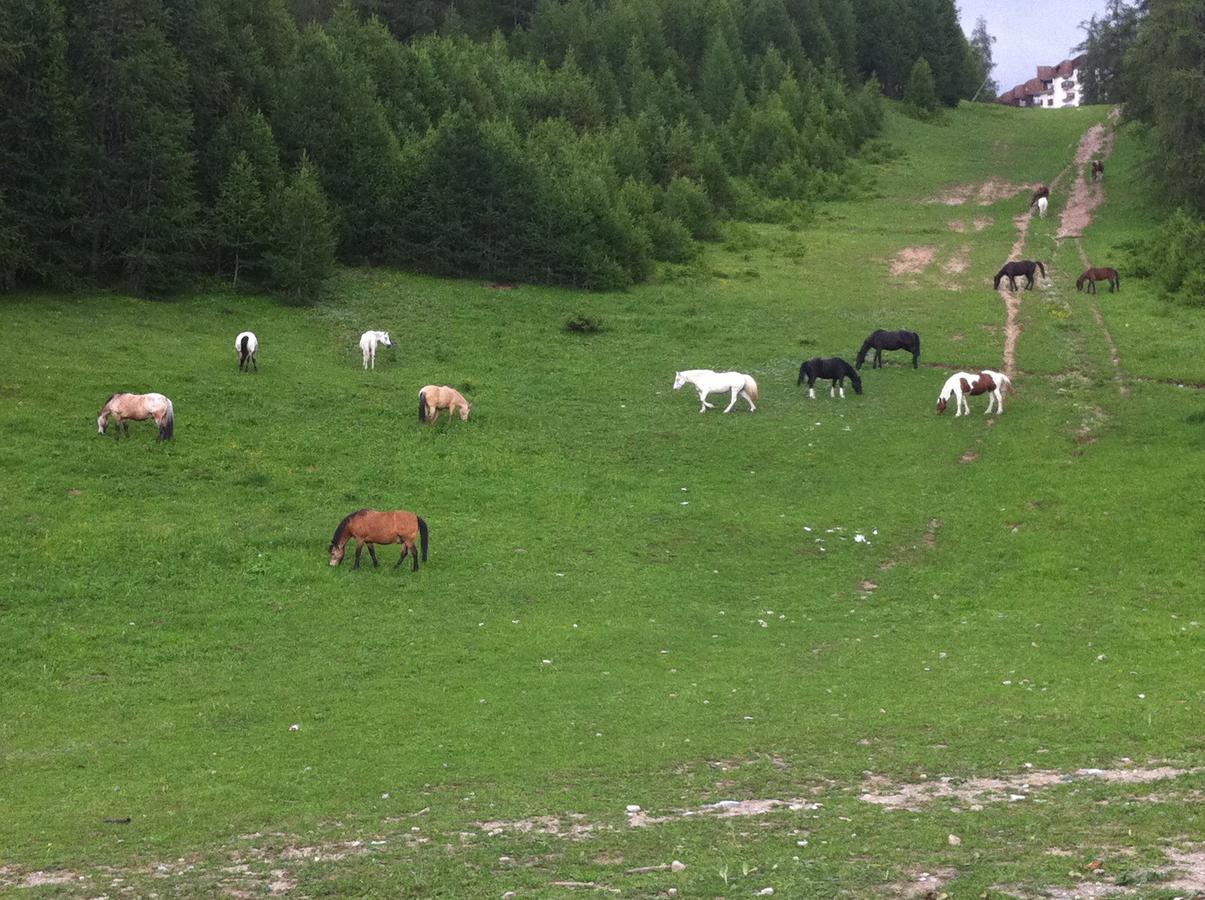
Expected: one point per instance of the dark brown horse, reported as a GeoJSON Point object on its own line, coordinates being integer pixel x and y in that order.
{"type": "Point", "coordinates": [1091, 276]}
{"type": "Point", "coordinates": [888, 340]}
{"type": "Point", "coordinates": [1098, 170]}
{"type": "Point", "coordinates": [368, 527]}
{"type": "Point", "coordinates": [1011, 270]}
{"type": "Point", "coordinates": [1042, 190]}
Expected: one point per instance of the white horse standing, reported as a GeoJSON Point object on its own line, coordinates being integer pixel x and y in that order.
{"type": "Point", "coordinates": [368, 345]}
{"type": "Point", "coordinates": [707, 381]}
{"type": "Point", "coordinates": [985, 381]}
{"type": "Point", "coordinates": [245, 345]}
{"type": "Point", "coordinates": [1043, 202]}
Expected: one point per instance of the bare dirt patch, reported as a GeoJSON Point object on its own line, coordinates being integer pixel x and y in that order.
{"type": "Point", "coordinates": [957, 225]}
{"type": "Point", "coordinates": [724, 809]}
{"type": "Point", "coordinates": [912, 260]}
{"type": "Point", "coordinates": [921, 883]}
{"type": "Point", "coordinates": [930, 537]}
{"type": "Point", "coordinates": [1185, 875]}
{"type": "Point", "coordinates": [969, 456]}
{"type": "Point", "coordinates": [1085, 196]}
{"type": "Point", "coordinates": [991, 191]}
{"type": "Point", "coordinates": [959, 262]}
{"type": "Point", "coordinates": [981, 222]}
{"type": "Point", "coordinates": [573, 826]}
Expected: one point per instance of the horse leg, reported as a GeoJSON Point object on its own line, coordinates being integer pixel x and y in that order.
{"type": "Point", "coordinates": [703, 400]}
{"type": "Point", "coordinates": [811, 388]}
{"type": "Point", "coordinates": [732, 402]}
{"type": "Point", "coordinates": [841, 388]}
{"type": "Point", "coordinates": [878, 358]}
{"type": "Point", "coordinates": [373, 553]}
{"type": "Point", "coordinates": [254, 363]}
{"type": "Point", "coordinates": [749, 400]}
{"type": "Point", "coordinates": [359, 547]}
{"type": "Point", "coordinates": [915, 359]}
{"type": "Point", "coordinates": [999, 400]}
{"type": "Point", "coordinates": [413, 556]}
{"type": "Point", "coordinates": [402, 541]}
{"type": "Point", "coordinates": [1029, 282]}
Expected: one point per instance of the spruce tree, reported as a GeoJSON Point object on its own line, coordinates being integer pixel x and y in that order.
{"type": "Point", "coordinates": [920, 93]}
{"type": "Point", "coordinates": [302, 253]}
{"type": "Point", "coordinates": [238, 220]}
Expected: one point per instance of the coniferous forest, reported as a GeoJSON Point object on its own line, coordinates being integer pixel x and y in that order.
{"type": "Point", "coordinates": [148, 143]}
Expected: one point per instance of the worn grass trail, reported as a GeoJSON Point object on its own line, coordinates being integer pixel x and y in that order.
{"type": "Point", "coordinates": [626, 603]}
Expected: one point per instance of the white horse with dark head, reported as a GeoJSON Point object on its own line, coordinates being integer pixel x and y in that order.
{"type": "Point", "coordinates": [369, 341]}
{"type": "Point", "coordinates": [707, 381]}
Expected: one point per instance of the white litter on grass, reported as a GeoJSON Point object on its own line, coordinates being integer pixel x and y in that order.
{"type": "Point", "coordinates": [294, 727]}
{"type": "Point", "coordinates": [860, 539]}
{"type": "Point", "coordinates": [805, 528]}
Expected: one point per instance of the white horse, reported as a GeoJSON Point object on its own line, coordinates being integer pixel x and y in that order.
{"type": "Point", "coordinates": [245, 345]}
{"type": "Point", "coordinates": [368, 345]}
{"type": "Point", "coordinates": [985, 381]}
{"type": "Point", "coordinates": [1042, 204]}
{"type": "Point", "coordinates": [707, 381]}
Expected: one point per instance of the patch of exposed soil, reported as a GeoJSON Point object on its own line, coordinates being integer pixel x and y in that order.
{"type": "Point", "coordinates": [1012, 302]}
{"type": "Point", "coordinates": [1097, 143]}
{"type": "Point", "coordinates": [921, 883]}
{"type": "Point", "coordinates": [912, 260]}
{"type": "Point", "coordinates": [959, 262]}
{"type": "Point", "coordinates": [969, 456]}
{"type": "Point", "coordinates": [981, 222]}
{"type": "Point", "coordinates": [724, 809]}
{"type": "Point", "coordinates": [1185, 876]}
{"type": "Point", "coordinates": [991, 191]}
{"type": "Point", "coordinates": [573, 826]}
{"type": "Point", "coordinates": [930, 537]}
{"type": "Point", "coordinates": [957, 225]}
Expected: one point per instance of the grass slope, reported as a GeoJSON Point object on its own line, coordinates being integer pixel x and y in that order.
{"type": "Point", "coordinates": [626, 602]}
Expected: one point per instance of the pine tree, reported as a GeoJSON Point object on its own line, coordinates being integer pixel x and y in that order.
{"type": "Point", "coordinates": [238, 220]}
{"type": "Point", "coordinates": [718, 78]}
{"type": "Point", "coordinates": [302, 254]}
{"type": "Point", "coordinates": [920, 93]}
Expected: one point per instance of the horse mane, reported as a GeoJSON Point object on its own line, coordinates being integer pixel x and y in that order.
{"type": "Point", "coordinates": [110, 397]}
{"type": "Point", "coordinates": [345, 524]}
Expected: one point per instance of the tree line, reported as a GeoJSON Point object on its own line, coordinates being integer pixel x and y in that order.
{"type": "Point", "coordinates": [145, 143]}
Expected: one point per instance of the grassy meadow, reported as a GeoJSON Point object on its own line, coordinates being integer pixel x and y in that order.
{"type": "Point", "coordinates": [626, 602]}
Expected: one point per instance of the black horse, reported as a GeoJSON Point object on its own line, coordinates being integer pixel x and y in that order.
{"type": "Point", "coordinates": [889, 340]}
{"type": "Point", "coordinates": [1020, 267]}
{"type": "Point", "coordinates": [833, 369]}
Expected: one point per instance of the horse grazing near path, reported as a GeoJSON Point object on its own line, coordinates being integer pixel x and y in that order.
{"type": "Point", "coordinates": [245, 345]}
{"type": "Point", "coordinates": [369, 341]}
{"type": "Point", "coordinates": [1042, 190]}
{"type": "Point", "coordinates": [1098, 170]}
{"type": "Point", "coordinates": [123, 407]}
{"type": "Point", "coordinates": [832, 368]}
{"type": "Point", "coordinates": [368, 527]}
{"type": "Point", "coordinates": [889, 340]}
{"type": "Point", "coordinates": [1091, 276]}
{"type": "Point", "coordinates": [708, 381]}
{"type": "Point", "coordinates": [1043, 202]}
{"type": "Point", "coordinates": [436, 397]}
{"type": "Point", "coordinates": [960, 384]}
{"type": "Point", "coordinates": [1018, 267]}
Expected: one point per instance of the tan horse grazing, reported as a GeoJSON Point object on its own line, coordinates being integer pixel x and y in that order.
{"type": "Point", "coordinates": [369, 526]}
{"type": "Point", "coordinates": [123, 407]}
{"type": "Point", "coordinates": [1091, 276]}
{"type": "Point", "coordinates": [436, 397]}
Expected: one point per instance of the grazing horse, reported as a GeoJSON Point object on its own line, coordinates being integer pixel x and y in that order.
{"type": "Point", "coordinates": [245, 345]}
{"type": "Point", "coordinates": [708, 381]}
{"type": "Point", "coordinates": [833, 368]}
{"type": "Point", "coordinates": [889, 340]}
{"type": "Point", "coordinates": [368, 345]}
{"type": "Point", "coordinates": [368, 527]}
{"type": "Point", "coordinates": [1043, 202]}
{"type": "Point", "coordinates": [1091, 276]}
{"type": "Point", "coordinates": [123, 407]}
{"type": "Point", "coordinates": [436, 397]}
{"type": "Point", "coordinates": [1039, 192]}
{"type": "Point", "coordinates": [985, 381]}
{"type": "Point", "coordinates": [1098, 170]}
{"type": "Point", "coordinates": [1018, 267]}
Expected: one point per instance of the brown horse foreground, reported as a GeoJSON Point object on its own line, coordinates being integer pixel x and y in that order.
{"type": "Point", "coordinates": [1091, 276]}
{"type": "Point", "coordinates": [436, 397]}
{"type": "Point", "coordinates": [369, 526]}
{"type": "Point", "coordinates": [123, 407]}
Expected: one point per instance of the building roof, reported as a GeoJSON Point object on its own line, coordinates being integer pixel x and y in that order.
{"type": "Point", "coordinates": [1046, 72]}
{"type": "Point", "coordinates": [1034, 86]}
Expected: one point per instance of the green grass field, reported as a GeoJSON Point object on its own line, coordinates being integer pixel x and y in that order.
{"type": "Point", "coordinates": [626, 603]}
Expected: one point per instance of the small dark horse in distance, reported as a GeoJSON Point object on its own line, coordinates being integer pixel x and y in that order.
{"type": "Point", "coordinates": [1020, 267]}
{"type": "Point", "coordinates": [1098, 170]}
{"type": "Point", "coordinates": [1091, 276]}
{"type": "Point", "coordinates": [832, 369]}
{"type": "Point", "coordinates": [370, 526]}
{"type": "Point", "coordinates": [889, 340]}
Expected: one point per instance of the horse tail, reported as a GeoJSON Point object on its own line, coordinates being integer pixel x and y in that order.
{"type": "Point", "coordinates": [168, 428]}
{"type": "Point", "coordinates": [751, 387]}
{"type": "Point", "coordinates": [1117, 279]}
{"type": "Point", "coordinates": [803, 372]}
{"type": "Point", "coordinates": [915, 348]}
{"type": "Point", "coordinates": [1041, 268]}
{"type": "Point", "coordinates": [422, 535]}
{"type": "Point", "coordinates": [242, 346]}
{"type": "Point", "coordinates": [422, 406]}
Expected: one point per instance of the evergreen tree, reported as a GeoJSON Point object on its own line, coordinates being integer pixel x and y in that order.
{"type": "Point", "coordinates": [921, 93]}
{"type": "Point", "coordinates": [301, 257]}
{"type": "Point", "coordinates": [1106, 40]}
{"type": "Point", "coordinates": [238, 220]}
{"type": "Point", "coordinates": [718, 78]}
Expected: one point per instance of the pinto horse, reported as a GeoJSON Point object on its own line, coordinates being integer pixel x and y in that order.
{"type": "Point", "coordinates": [123, 407]}
{"type": "Point", "coordinates": [1043, 203]}
{"type": "Point", "coordinates": [369, 341]}
{"type": "Point", "coordinates": [369, 526]}
{"type": "Point", "coordinates": [1091, 276]}
{"type": "Point", "coordinates": [960, 384]}
{"type": "Point", "coordinates": [1018, 267]}
{"type": "Point", "coordinates": [245, 345]}
{"type": "Point", "coordinates": [1098, 170]}
{"type": "Point", "coordinates": [709, 381]}
{"type": "Point", "coordinates": [1042, 190]}
{"type": "Point", "coordinates": [435, 398]}
{"type": "Point", "coordinates": [833, 369]}
{"type": "Point", "coordinates": [889, 340]}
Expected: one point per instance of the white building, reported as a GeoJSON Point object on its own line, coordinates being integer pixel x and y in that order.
{"type": "Point", "coordinates": [1055, 87]}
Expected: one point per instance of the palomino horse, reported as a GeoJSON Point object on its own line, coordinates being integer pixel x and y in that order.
{"type": "Point", "coordinates": [368, 345]}
{"type": "Point", "coordinates": [1039, 192]}
{"type": "Point", "coordinates": [1011, 270]}
{"type": "Point", "coordinates": [245, 345]}
{"type": "Point", "coordinates": [368, 527]}
{"type": "Point", "coordinates": [437, 397]}
{"type": "Point", "coordinates": [960, 384]}
{"type": "Point", "coordinates": [1091, 276]}
{"type": "Point", "coordinates": [1043, 202]}
{"type": "Point", "coordinates": [889, 340]}
{"type": "Point", "coordinates": [1098, 170]}
{"type": "Point", "coordinates": [123, 407]}
{"type": "Point", "coordinates": [708, 381]}
{"type": "Point", "coordinates": [833, 368]}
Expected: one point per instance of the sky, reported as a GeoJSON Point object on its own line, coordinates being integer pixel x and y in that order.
{"type": "Point", "coordinates": [1029, 33]}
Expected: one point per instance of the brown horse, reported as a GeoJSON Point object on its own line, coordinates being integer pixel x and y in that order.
{"type": "Point", "coordinates": [436, 397]}
{"type": "Point", "coordinates": [368, 526]}
{"type": "Point", "coordinates": [1091, 276]}
{"type": "Point", "coordinates": [1042, 190]}
{"type": "Point", "coordinates": [1098, 170]}
{"type": "Point", "coordinates": [123, 407]}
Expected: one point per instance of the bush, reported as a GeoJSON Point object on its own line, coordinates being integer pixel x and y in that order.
{"type": "Point", "coordinates": [580, 324]}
